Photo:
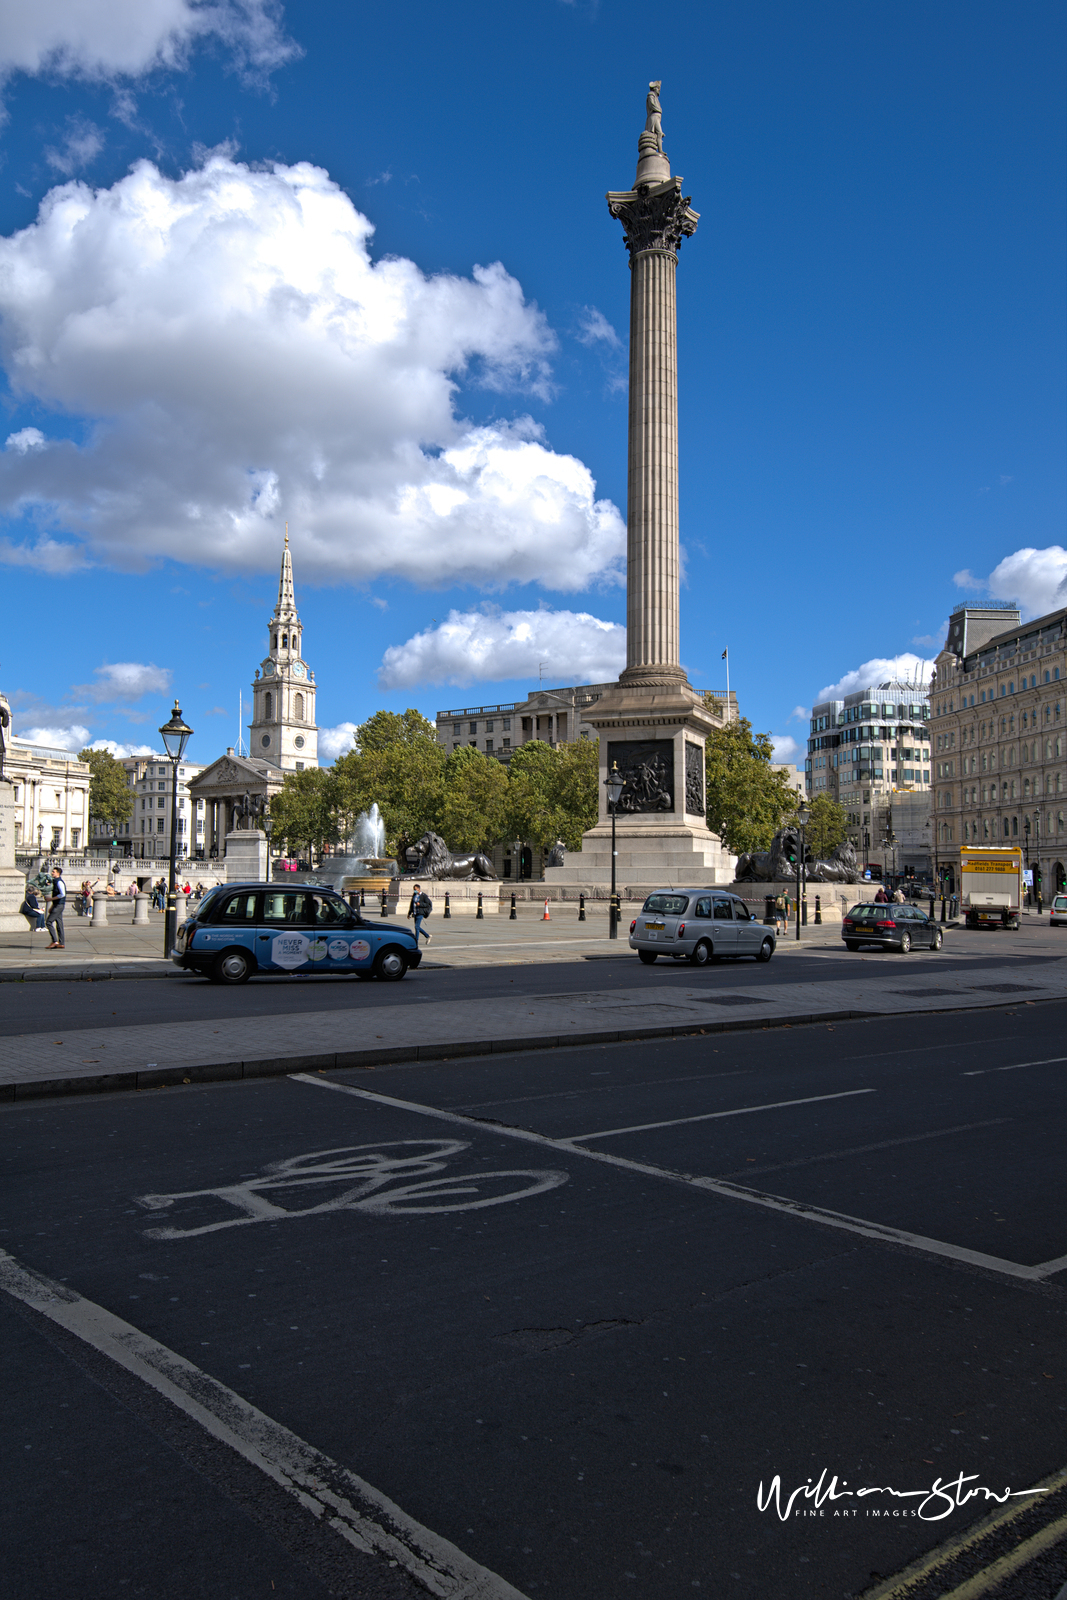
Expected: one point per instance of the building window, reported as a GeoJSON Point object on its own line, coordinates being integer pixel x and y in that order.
{"type": "Point", "coordinates": [506, 723]}
{"type": "Point", "coordinates": [506, 744]}
{"type": "Point", "coordinates": [285, 641]}
{"type": "Point", "coordinates": [299, 741]}
{"type": "Point", "coordinates": [75, 838]}
{"type": "Point", "coordinates": [488, 745]}
{"type": "Point", "coordinates": [300, 766]}
{"type": "Point", "coordinates": [298, 708]}
{"type": "Point", "coordinates": [159, 825]}
{"type": "Point", "coordinates": [268, 706]}
{"type": "Point", "coordinates": [265, 741]}
{"type": "Point", "coordinates": [489, 726]}
{"type": "Point", "coordinates": [472, 727]}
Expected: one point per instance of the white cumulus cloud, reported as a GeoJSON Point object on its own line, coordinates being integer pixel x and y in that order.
{"type": "Point", "coordinates": [109, 39]}
{"type": "Point", "coordinates": [905, 668]}
{"type": "Point", "coordinates": [122, 751]}
{"type": "Point", "coordinates": [25, 440]}
{"type": "Point", "coordinates": [785, 748]}
{"type": "Point", "coordinates": [476, 646]}
{"type": "Point", "coordinates": [334, 742]}
{"type": "Point", "coordinates": [1036, 580]}
{"type": "Point", "coordinates": [125, 680]}
{"type": "Point", "coordinates": [241, 360]}
{"type": "Point", "coordinates": [73, 736]}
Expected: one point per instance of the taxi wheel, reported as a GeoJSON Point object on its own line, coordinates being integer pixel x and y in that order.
{"type": "Point", "coordinates": [939, 939]}
{"type": "Point", "coordinates": [905, 943]}
{"type": "Point", "coordinates": [233, 966]}
{"type": "Point", "coordinates": [391, 965]}
{"type": "Point", "coordinates": [701, 953]}
{"type": "Point", "coordinates": [766, 950]}
{"type": "Point", "coordinates": [647, 956]}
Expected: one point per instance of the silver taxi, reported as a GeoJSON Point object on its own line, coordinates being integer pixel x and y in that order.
{"type": "Point", "coordinates": [698, 925]}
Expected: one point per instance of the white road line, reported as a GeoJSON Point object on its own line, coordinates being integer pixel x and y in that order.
{"type": "Point", "coordinates": [729, 1191]}
{"type": "Point", "coordinates": [980, 1072]}
{"type": "Point", "coordinates": [711, 1116]}
{"type": "Point", "coordinates": [1047, 1268]}
{"type": "Point", "coordinates": [362, 1515]}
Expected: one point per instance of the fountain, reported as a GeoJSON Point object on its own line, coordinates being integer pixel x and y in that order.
{"type": "Point", "coordinates": [367, 869]}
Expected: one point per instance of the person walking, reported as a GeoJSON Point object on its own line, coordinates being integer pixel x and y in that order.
{"type": "Point", "coordinates": [898, 896]}
{"type": "Point", "coordinates": [420, 907]}
{"type": "Point", "coordinates": [881, 898]}
{"type": "Point", "coordinates": [54, 923]}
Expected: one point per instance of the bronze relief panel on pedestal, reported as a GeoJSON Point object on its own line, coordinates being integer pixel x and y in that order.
{"type": "Point", "coordinates": [647, 765]}
{"type": "Point", "coordinates": [694, 779]}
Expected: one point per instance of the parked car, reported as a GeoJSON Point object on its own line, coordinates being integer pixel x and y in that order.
{"type": "Point", "coordinates": [895, 925]}
{"type": "Point", "coordinates": [698, 925]}
{"type": "Point", "coordinates": [239, 929]}
{"type": "Point", "coordinates": [1057, 911]}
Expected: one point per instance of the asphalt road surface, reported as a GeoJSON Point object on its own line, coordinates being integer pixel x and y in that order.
{"type": "Point", "coordinates": [25, 1008]}
{"type": "Point", "coordinates": [492, 1289]}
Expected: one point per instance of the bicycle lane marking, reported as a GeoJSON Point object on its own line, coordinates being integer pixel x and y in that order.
{"type": "Point", "coordinates": [367, 1177]}
{"type": "Point", "coordinates": [328, 1491]}
{"type": "Point", "coordinates": [730, 1191]}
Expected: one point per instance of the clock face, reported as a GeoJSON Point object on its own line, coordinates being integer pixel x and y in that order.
{"type": "Point", "coordinates": [268, 669]}
{"type": "Point", "coordinates": [298, 670]}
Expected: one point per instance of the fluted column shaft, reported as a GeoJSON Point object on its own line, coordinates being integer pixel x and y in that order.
{"type": "Point", "coordinates": [652, 572]}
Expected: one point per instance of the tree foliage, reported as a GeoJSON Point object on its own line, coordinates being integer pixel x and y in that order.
{"type": "Point", "coordinates": [552, 793]}
{"type": "Point", "coordinates": [473, 810]}
{"type": "Point", "coordinates": [398, 763]}
{"type": "Point", "coordinates": [827, 827]}
{"type": "Point", "coordinates": [305, 812]}
{"type": "Point", "coordinates": [110, 796]}
{"type": "Point", "coordinates": [746, 801]}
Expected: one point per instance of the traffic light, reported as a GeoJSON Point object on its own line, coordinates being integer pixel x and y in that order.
{"type": "Point", "coordinates": [791, 851]}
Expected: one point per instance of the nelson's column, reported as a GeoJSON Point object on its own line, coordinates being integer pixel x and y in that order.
{"type": "Point", "coordinates": [652, 723]}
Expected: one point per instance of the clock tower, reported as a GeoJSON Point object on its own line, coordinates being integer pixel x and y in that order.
{"type": "Point", "coordinates": [283, 729]}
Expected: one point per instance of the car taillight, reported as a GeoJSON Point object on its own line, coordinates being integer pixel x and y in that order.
{"type": "Point", "coordinates": [681, 929]}
{"type": "Point", "coordinates": [849, 924]}
{"type": "Point", "coordinates": [885, 924]}
{"type": "Point", "coordinates": [633, 925]}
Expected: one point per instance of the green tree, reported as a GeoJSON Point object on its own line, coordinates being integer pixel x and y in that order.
{"type": "Point", "coordinates": [305, 812]}
{"type": "Point", "coordinates": [397, 762]}
{"type": "Point", "coordinates": [473, 811]}
{"type": "Point", "coordinates": [552, 793]}
{"type": "Point", "coordinates": [746, 802]}
{"type": "Point", "coordinates": [827, 827]}
{"type": "Point", "coordinates": [110, 796]}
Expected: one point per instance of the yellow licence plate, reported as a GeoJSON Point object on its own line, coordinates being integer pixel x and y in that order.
{"type": "Point", "coordinates": [657, 927]}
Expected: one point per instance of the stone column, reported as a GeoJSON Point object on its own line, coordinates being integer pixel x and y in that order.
{"type": "Point", "coordinates": [655, 218]}
{"type": "Point", "coordinates": [12, 881]}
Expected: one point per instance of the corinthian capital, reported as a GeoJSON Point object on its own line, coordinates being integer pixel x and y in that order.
{"type": "Point", "coordinates": [656, 218]}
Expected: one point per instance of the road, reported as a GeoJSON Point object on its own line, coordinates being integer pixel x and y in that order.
{"type": "Point", "coordinates": [567, 1309]}
{"type": "Point", "coordinates": [185, 998]}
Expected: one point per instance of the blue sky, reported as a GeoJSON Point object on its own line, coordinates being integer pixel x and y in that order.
{"type": "Point", "coordinates": [351, 267]}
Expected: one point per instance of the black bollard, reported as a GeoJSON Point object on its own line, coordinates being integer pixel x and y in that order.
{"type": "Point", "coordinates": [512, 917]}
{"type": "Point", "coordinates": [448, 907]}
{"type": "Point", "coordinates": [581, 908]}
{"type": "Point", "coordinates": [481, 914]}
{"type": "Point", "coordinates": [942, 908]}
{"type": "Point", "coordinates": [362, 898]}
{"type": "Point", "coordinates": [818, 909]}
{"type": "Point", "coordinates": [384, 898]}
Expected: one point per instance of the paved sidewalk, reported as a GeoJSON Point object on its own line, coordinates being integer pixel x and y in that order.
{"type": "Point", "coordinates": [83, 1060]}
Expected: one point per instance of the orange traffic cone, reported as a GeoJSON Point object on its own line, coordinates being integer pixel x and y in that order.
{"type": "Point", "coordinates": [546, 917]}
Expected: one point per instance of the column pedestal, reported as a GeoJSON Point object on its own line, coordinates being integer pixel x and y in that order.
{"type": "Point", "coordinates": [12, 881]}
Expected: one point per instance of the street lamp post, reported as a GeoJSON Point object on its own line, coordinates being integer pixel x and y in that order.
{"type": "Point", "coordinates": [614, 783]}
{"type": "Point", "coordinates": [803, 816]}
{"type": "Point", "coordinates": [1026, 854]}
{"type": "Point", "coordinates": [268, 829]}
{"type": "Point", "coordinates": [175, 735]}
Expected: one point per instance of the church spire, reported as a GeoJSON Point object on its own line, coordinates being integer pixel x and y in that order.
{"type": "Point", "coordinates": [285, 610]}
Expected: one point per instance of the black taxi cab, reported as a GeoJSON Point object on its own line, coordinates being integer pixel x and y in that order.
{"type": "Point", "coordinates": [243, 928]}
